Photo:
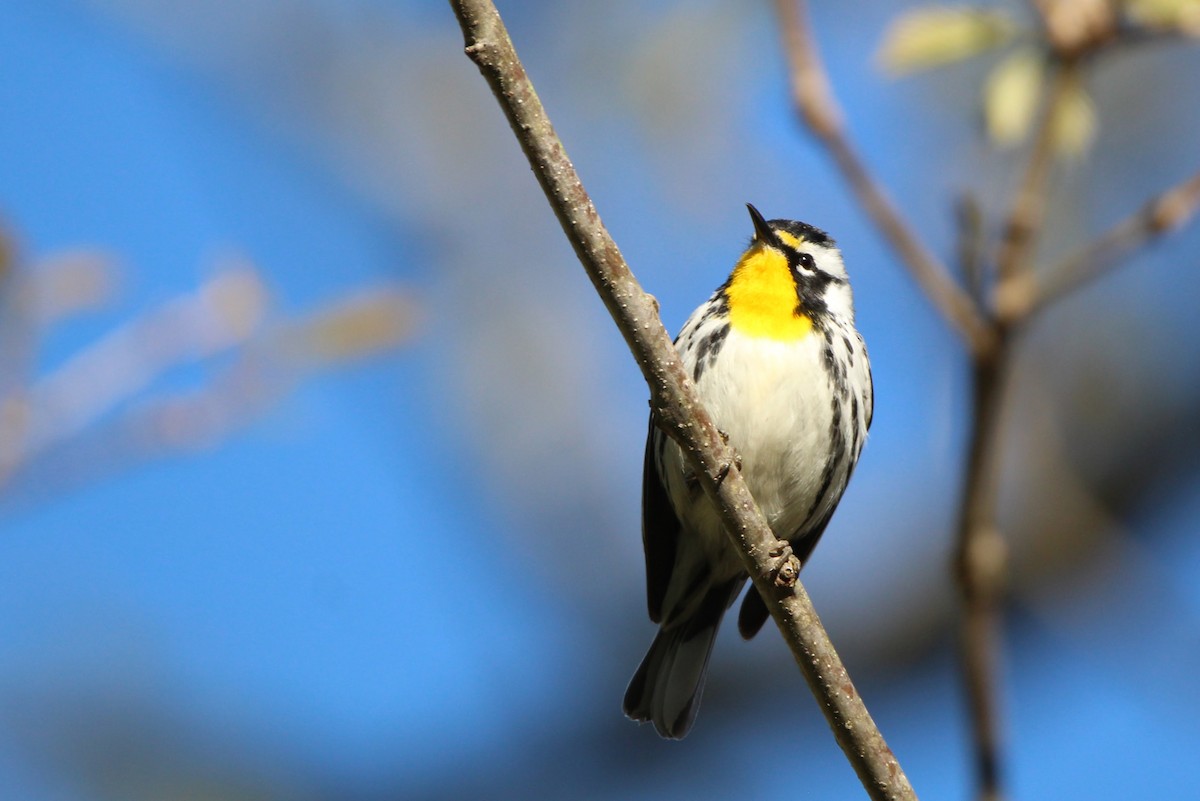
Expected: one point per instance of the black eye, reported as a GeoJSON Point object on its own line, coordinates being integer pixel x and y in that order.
{"type": "Point", "coordinates": [805, 260]}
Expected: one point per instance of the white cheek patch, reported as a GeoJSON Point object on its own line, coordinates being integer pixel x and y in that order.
{"type": "Point", "coordinates": [830, 261]}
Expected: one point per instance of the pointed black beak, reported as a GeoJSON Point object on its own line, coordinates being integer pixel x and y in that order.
{"type": "Point", "coordinates": [762, 231]}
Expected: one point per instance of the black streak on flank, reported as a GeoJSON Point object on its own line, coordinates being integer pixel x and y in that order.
{"type": "Point", "coordinates": [708, 349]}
{"type": "Point", "coordinates": [835, 367]}
{"type": "Point", "coordinates": [854, 445]}
{"type": "Point", "coordinates": [837, 456]}
{"type": "Point", "coordinates": [826, 480]}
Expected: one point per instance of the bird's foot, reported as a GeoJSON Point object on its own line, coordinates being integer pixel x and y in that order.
{"type": "Point", "coordinates": [736, 462]}
{"type": "Point", "coordinates": [788, 569]}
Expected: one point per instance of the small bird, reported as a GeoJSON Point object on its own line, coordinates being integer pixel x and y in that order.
{"type": "Point", "coordinates": [779, 365]}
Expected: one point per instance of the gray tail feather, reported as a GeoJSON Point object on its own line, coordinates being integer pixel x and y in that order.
{"type": "Point", "coordinates": [667, 686]}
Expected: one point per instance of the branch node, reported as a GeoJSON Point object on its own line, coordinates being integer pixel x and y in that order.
{"type": "Point", "coordinates": [984, 562]}
{"type": "Point", "coordinates": [1014, 297]}
{"type": "Point", "coordinates": [785, 571]}
{"type": "Point", "coordinates": [727, 464]}
{"type": "Point", "coordinates": [1076, 27]}
{"type": "Point", "coordinates": [1174, 208]}
{"type": "Point", "coordinates": [788, 572]}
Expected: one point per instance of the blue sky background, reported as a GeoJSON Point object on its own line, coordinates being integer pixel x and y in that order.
{"type": "Point", "coordinates": [419, 576]}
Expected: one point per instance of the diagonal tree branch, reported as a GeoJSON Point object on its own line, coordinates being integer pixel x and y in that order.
{"type": "Point", "coordinates": [769, 561]}
{"type": "Point", "coordinates": [818, 108]}
{"type": "Point", "coordinates": [1158, 217]}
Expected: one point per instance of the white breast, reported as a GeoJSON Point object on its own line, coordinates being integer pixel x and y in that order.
{"type": "Point", "coordinates": [775, 401]}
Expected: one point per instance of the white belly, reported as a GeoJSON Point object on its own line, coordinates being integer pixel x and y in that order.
{"type": "Point", "coordinates": [775, 402]}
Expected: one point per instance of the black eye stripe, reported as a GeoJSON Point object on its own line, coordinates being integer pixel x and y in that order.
{"type": "Point", "coordinates": [798, 259]}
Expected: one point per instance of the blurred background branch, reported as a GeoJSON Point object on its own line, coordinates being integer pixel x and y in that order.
{"type": "Point", "coordinates": [1073, 30]}
{"type": "Point", "coordinates": [817, 107]}
{"type": "Point", "coordinates": [111, 390]}
{"type": "Point", "coordinates": [1159, 216]}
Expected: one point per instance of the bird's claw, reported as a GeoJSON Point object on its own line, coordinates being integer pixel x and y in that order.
{"type": "Point", "coordinates": [724, 469]}
{"type": "Point", "coordinates": [788, 572]}
{"type": "Point", "coordinates": [736, 462]}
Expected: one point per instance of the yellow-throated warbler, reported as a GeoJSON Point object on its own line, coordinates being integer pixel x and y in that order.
{"type": "Point", "coordinates": [783, 372]}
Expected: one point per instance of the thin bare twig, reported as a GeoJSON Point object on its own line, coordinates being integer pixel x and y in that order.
{"type": "Point", "coordinates": [1025, 218]}
{"type": "Point", "coordinates": [1159, 216]}
{"type": "Point", "coordinates": [971, 244]}
{"type": "Point", "coordinates": [818, 108]}
{"type": "Point", "coordinates": [769, 562]}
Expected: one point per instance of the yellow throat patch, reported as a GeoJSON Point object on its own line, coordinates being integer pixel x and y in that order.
{"type": "Point", "coordinates": [762, 297]}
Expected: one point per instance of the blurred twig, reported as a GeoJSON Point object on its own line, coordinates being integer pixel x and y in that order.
{"type": "Point", "coordinates": [1027, 213]}
{"type": "Point", "coordinates": [818, 108]}
{"type": "Point", "coordinates": [769, 562]}
{"type": "Point", "coordinates": [971, 244]}
{"type": "Point", "coordinates": [1161, 215]}
{"type": "Point", "coordinates": [222, 314]}
{"type": "Point", "coordinates": [98, 411]}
